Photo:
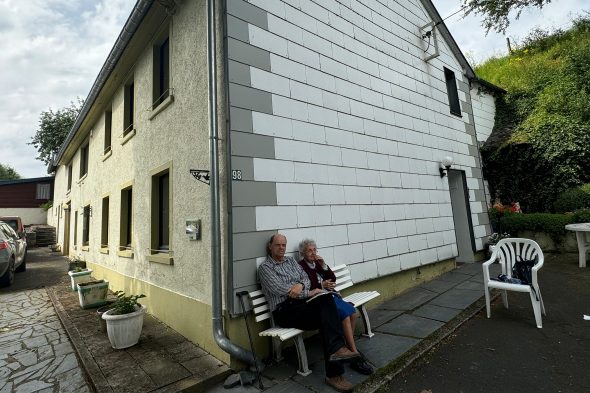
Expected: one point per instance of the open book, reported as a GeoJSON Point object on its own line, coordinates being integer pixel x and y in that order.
{"type": "Point", "coordinates": [322, 294]}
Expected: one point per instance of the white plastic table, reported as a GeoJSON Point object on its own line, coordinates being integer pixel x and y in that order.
{"type": "Point", "coordinates": [583, 242]}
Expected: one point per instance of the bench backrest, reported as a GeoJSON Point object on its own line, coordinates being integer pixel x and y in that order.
{"type": "Point", "coordinates": [259, 305]}
{"type": "Point", "coordinates": [343, 278]}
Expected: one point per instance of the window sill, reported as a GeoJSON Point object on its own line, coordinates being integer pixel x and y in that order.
{"type": "Point", "coordinates": [81, 180]}
{"type": "Point", "coordinates": [107, 155]}
{"type": "Point", "coordinates": [125, 253]}
{"type": "Point", "coordinates": [163, 105]}
{"type": "Point", "coordinates": [456, 114]}
{"type": "Point", "coordinates": [104, 250]}
{"type": "Point", "coordinates": [85, 248]}
{"type": "Point", "coordinates": [128, 136]}
{"type": "Point", "coordinates": [163, 258]}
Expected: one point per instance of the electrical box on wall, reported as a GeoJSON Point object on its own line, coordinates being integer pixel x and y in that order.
{"type": "Point", "coordinates": [193, 229]}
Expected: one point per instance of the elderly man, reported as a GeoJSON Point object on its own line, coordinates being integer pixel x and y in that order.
{"type": "Point", "coordinates": [287, 289]}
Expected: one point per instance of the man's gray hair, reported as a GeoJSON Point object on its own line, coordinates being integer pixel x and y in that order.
{"type": "Point", "coordinates": [303, 244]}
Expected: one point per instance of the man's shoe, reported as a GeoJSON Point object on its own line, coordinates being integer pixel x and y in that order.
{"type": "Point", "coordinates": [343, 354]}
{"type": "Point", "coordinates": [361, 365]}
{"type": "Point", "coordinates": [340, 384]}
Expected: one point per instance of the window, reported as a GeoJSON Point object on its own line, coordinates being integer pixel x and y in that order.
{"type": "Point", "coordinates": [75, 227]}
{"type": "Point", "coordinates": [161, 76]}
{"type": "Point", "coordinates": [452, 92]}
{"type": "Point", "coordinates": [83, 160]}
{"type": "Point", "coordinates": [160, 212]}
{"type": "Point", "coordinates": [126, 218]}
{"type": "Point", "coordinates": [69, 177]}
{"type": "Point", "coordinates": [108, 121]}
{"type": "Point", "coordinates": [43, 191]}
{"type": "Point", "coordinates": [104, 233]}
{"type": "Point", "coordinates": [129, 105]}
{"type": "Point", "coordinates": [86, 225]}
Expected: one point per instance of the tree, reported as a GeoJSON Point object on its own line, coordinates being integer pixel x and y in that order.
{"type": "Point", "coordinates": [53, 130]}
{"type": "Point", "coordinates": [7, 173]}
{"type": "Point", "coordinates": [495, 12]}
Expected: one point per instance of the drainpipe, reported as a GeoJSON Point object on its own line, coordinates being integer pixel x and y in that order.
{"type": "Point", "coordinates": [217, 317]}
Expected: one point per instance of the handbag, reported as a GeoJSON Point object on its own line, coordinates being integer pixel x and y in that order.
{"type": "Point", "coordinates": [522, 269]}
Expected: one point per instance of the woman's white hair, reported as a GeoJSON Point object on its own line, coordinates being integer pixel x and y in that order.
{"type": "Point", "coordinates": [303, 244]}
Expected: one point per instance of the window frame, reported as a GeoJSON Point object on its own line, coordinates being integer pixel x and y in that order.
{"type": "Point", "coordinates": [108, 132]}
{"type": "Point", "coordinates": [129, 107]}
{"type": "Point", "coordinates": [104, 224]}
{"type": "Point", "coordinates": [86, 214]}
{"type": "Point", "coordinates": [69, 171]}
{"type": "Point", "coordinates": [452, 92]}
{"type": "Point", "coordinates": [126, 221]}
{"type": "Point", "coordinates": [161, 215]}
{"type": "Point", "coordinates": [84, 155]}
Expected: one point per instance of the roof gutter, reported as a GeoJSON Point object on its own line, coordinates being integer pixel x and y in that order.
{"type": "Point", "coordinates": [139, 12]}
{"type": "Point", "coordinates": [216, 304]}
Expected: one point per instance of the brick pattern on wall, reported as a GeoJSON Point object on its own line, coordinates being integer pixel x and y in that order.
{"type": "Point", "coordinates": [343, 126]}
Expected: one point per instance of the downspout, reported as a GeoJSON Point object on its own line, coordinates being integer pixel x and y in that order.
{"type": "Point", "coordinates": [217, 317]}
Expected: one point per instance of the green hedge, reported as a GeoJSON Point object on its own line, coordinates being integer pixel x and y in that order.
{"type": "Point", "coordinates": [574, 199]}
{"type": "Point", "coordinates": [552, 224]}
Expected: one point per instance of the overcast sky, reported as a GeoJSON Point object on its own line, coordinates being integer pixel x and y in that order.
{"type": "Point", "coordinates": [52, 51]}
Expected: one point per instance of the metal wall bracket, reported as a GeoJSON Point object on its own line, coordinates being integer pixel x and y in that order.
{"type": "Point", "coordinates": [201, 175]}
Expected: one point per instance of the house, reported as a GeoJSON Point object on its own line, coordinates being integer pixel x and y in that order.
{"type": "Point", "coordinates": [331, 121]}
{"type": "Point", "coordinates": [25, 197]}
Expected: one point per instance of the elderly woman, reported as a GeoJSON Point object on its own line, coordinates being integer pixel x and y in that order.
{"type": "Point", "coordinates": [322, 277]}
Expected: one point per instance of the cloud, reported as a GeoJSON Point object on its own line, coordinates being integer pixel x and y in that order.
{"type": "Point", "coordinates": [52, 51]}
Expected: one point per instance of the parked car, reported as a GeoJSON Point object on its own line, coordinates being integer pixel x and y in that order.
{"type": "Point", "coordinates": [13, 250]}
{"type": "Point", "coordinates": [15, 223]}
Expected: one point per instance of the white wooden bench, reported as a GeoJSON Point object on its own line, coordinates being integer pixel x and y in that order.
{"type": "Point", "coordinates": [279, 334]}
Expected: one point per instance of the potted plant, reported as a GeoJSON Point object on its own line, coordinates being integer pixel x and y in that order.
{"type": "Point", "coordinates": [78, 275]}
{"type": "Point", "coordinates": [92, 293]}
{"type": "Point", "coordinates": [495, 238]}
{"type": "Point", "coordinates": [124, 320]}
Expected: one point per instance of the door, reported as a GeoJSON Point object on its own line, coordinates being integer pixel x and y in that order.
{"type": "Point", "coordinates": [66, 248]}
{"type": "Point", "coordinates": [461, 215]}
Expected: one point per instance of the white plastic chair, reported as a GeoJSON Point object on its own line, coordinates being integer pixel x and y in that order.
{"type": "Point", "coordinates": [506, 253]}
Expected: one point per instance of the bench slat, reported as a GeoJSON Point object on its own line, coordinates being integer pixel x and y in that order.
{"type": "Point", "coordinates": [360, 298]}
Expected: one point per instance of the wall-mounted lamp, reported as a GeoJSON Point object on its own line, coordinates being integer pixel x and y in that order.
{"type": "Point", "coordinates": [446, 165]}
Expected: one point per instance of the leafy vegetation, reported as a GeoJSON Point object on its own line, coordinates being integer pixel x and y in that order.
{"type": "Point", "coordinates": [53, 130]}
{"type": "Point", "coordinates": [542, 132]}
{"type": "Point", "coordinates": [125, 304]}
{"type": "Point", "coordinates": [552, 224]}
{"type": "Point", "coordinates": [574, 199]}
{"type": "Point", "coordinates": [495, 12]}
{"type": "Point", "coordinates": [7, 173]}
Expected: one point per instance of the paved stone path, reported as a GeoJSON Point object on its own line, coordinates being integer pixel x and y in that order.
{"type": "Point", "coordinates": [35, 352]}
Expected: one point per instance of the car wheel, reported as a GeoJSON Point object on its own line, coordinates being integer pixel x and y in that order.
{"type": "Point", "coordinates": [8, 277]}
{"type": "Point", "coordinates": [23, 265]}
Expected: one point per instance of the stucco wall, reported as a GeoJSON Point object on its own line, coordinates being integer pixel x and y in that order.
{"type": "Point", "coordinates": [338, 126]}
{"type": "Point", "coordinates": [29, 216]}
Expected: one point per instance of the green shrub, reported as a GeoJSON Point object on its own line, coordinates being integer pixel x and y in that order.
{"type": "Point", "coordinates": [551, 224]}
{"type": "Point", "coordinates": [574, 199]}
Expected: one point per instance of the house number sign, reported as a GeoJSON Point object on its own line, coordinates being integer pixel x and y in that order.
{"type": "Point", "coordinates": [236, 174]}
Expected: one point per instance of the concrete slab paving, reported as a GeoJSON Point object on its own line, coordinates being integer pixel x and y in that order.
{"type": "Point", "coordinates": [438, 285]}
{"type": "Point", "coordinates": [457, 298]}
{"type": "Point", "coordinates": [379, 316]}
{"type": "Point", "coordinates": [409, 300]}
{"type": "Point", "coordinates": [383, 348]}
{"type": "Point", "coordinates": [438, 313]}
{"type": "Point", "coordinates": [411, 326]}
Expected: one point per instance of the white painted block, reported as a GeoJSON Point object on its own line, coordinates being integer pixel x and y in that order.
{"type": "Point", "coordinates": [395, 212]}
{"type": "Point", "coordinates": [361, 232]}
{"type": "Point", "coordinates": [323, 116]}
{"type": "Point", "coordinates": [275, 217]}
{"type": "Point", "coordinates": [389, 147]}
{"type": "Point", "coordinates": [390, 179]}
{"type": "Point", "coordinates": [357, 195]}
{"type": "Point", "coordinates": [371, 213]}
{"type": "Point", "coordinates": [285, 29]}
{"type": "Point", "coordinates": [273, 170]}
{"type": "Point", "coordinates": [424, 225]}
{"type": "Point", "coordinates": [381, 195]}
{"type": "Point", "coordinates": [389, 265]}
{"type": "Point", "coordinates": [337, 137]}
{"type": "Point", "coordinates": [378, 161]}
{"type": "Point", "coordinates": [428, 256]}
{"type": "Point", "coordinates": [274, 7]}
{"type": "Point", "coordinates": [267, 41]}
{"type": "Point", "coordinates": [345, 214]}
{"type": "Point", "coordinates": [328, 32]}
{"type": "Point", "coordinates": [361, 109]}
{"type": "Point", "coordinates": [380, 85]}
{"type": "Point", "coordinates": [334, 235]}
{"type": "Point", "coordinates": [445, 252]}
{"type": "Point", "coordinates": [372, 98]}
{"type": "Point", "coordinates": [410, 181]}
{"type": "Point", "coordinates": [358, 77]}
{"type": "Point", "coordinates": [310, 173]}
{"type": "Point", "coordinates": [363, 271]}
{"type": "Point", "coordinates": [347, 89]}
{"type": "Point", "coordinates": [354, 158]}
{"type": "Point", "coordinates": [399, 164]}
{"type": "Point", "coordinates": [308, 216]}
{"type": "Point", "coordinates": [265, 124]}
{"type": "Point", "coordinates": [449, 237]}
{"type": "Point", "coordinates": [385, 230]}
{"type": "Point", "coordinates": [294, 194]}
{"type": "Point", "coordinates": [374, 250]}
{"type": "Point", "coordinates": [303, 55]}
{"type": "Point", "coordinates": [398, 245]}
{"type": "Point", "coordinates": [290, 150]}
{"type": "Point", "coordinates": [323, 154]}
{"type": "Point", "coordinates": [304, 131]}
{"type": "Point", "coordinates": [368, 178]}
{"type": "Point", "coordinates": [283, 66]}
{"type": "Point", "coordinates": [406, 227]}
{"type": "Point", "coordinates": [268, 81]}
{"type": "Point", "coordinates": [332, 67]}
{"type": "Point", "coordinates": [348, 254]}
{"type": "Point", "coordinates": [301, 19]}
{"type": "Point", "coordinates": [328, 194]}
{"type": "Point", "coordinates": [286, 107]}
{"type": "Point", "coordinates": [375, 128]}
{"type": "Point", "coordinates": [294, 236]}
{"type": "Point", "coordinates": [320, 79]}
{"type": "Point", "coordinates": [365, 142]}
{"type": "Point", "coordinates": [350, 123]}
{"type": "Point", "coordinates": [341, 175]}
{"type": "Point", "coordinates": [417, 242]}
{"type": "Point", "coordinates": [317, 43]}
{"type": "Point", "coordinates": [302, 92]}
{"type": "Point", "coordinates": [409, 260]}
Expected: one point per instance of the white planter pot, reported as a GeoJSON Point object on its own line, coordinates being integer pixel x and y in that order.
{"type": "Point", "coordinates": [124, 330]}
{"type": "Point", "coordinates": [92, 293]}
{"type": "Point", "coordinates": [78, 277]}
